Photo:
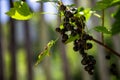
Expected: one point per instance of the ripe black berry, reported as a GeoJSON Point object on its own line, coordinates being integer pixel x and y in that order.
{"type": "Point", "coordinates": [63, 31]}
{"type": "Point", "coordinates": [66, 19]}
{"type": "Point", "coordinates": [62, 7]}
{"type": "Point", "coordinates": [84, 61]}
{"type": "Point", "coordinates": [72, 19]}
{"type": "Point", "coordinates": [113, 69]}
{"type": "Point", "coordinates": [91, 72]}
{"type": "Point", "coordinates": [75, 48]}
{"type": "Point", "coordinates": [89, 67]}
{"type": "Point", "coordinates": [58, 29]}
{"type": "Point", "coordinates": [73, 33]}
{"type": "Point", "coordinates": [65, 37]}
{"type": "Point", "coordinates": [107, 57]}
{"type": "Point", "coordinates": [82, 17]}
{"type": "Point", "coordinates": [88, 46]}
{"type": "Point", "coordinates": [68, 14]}
{"type": "Point", "coordinates": [79, 24]}
{"type": "Point", "coordinates": [87, 37]}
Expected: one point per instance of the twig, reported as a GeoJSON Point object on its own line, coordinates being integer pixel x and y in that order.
{"type": "Point", "coordinates": [102, 35]}
{"type": "Point", "coordinates": [105, 46]}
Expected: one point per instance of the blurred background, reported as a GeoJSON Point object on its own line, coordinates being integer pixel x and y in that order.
{"type": "Point", "coordinates": [22, 41]}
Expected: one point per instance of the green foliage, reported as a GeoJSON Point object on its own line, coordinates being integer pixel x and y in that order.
{"type": "Point", "coordinates": [100, 5]}
{"type": "Point", "coordinates": [116, 25]}
{"type": "Point", "coordinates": [102, 29]}
{"type": "Point", "coordinates": [45, 52]}
{"type": "Point", "coordinates": [86, 12]}
{"type": "Point", "coordinates": [20, 11]}
{"type": "Point", "coordinates": [72, 38]}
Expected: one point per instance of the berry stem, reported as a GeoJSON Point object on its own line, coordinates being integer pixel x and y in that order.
{"type": "Point", "coordinates": [105, 46]}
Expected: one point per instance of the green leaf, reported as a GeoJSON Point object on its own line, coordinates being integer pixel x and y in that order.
{"type": "Point", "coordinates": [11, 12]}
{"type": "Point", "coordinates": [116, 25]}
{"type": "Point", "coordinates": [72, 38]}
{"type": "Point", "coordinates": [16, 4]}
{"type": "Point", "coordinates": [20, 11]}
{"type": "Point", "coordinates": [79, 9]}
{"type": "Point", "coordinates": [100, 5]}
{"type": "Point", "coordinates": [86, 12]}
{"type": "Point", "coordinates": [45, 52]}
{"type": "Point", "coordinates": [71, 5]}
{"type": "Point", "coordinates": [102, 29]}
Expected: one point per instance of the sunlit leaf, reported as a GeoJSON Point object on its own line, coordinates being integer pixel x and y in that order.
{"type": "Point", "coordinates": [45, 52]}
{"type": "Point", "coordinates": [87, 13]}
{"type": "Point", "coordinates": [20, 11]}
{"type": "Point", "coordinates": [102, 29]}
{"type": "Point", "coordinates": [61, 26]}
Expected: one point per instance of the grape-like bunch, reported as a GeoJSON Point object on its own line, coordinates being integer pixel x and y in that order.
{"type": "Point", "coordinates": [74, 26]}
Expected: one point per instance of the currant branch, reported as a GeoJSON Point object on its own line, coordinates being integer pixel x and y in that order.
{"type": "Point", "coordinates": [105, 46]}
{"type": "Point", "coordinates": [102, 35]}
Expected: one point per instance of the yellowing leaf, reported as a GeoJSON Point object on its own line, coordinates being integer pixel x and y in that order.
{"type": "Point", "coordinates": [20, 11]}
{"type": "Point", "coordinates": [18, 16]}
{"type": "Point", "coordinates": [45, 52]}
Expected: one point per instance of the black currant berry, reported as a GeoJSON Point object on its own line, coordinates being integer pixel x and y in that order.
{"type": "Point", "coordinates": [75, 48]}
{"type": "Point", "coordinates": [63, 31]}
{"type": "Point", "coordinates": [68, 14]}
{"type": "Point", "coordinates": [71, 27]}
{"type": "Point", "coordinates": [64, 36]}
{"type": "Point", "coordinates": [88, 46]}
{"type": "Point", "coordinates": [78, 31]}
{"type": "Point", "coordinates": [83, 53]}
{"type": "Point", "coordinates": [107, 57]}
{"type": "Point", "coordinates": [66, 19]}
{"type": "Point", "coordinates": [82, 17]}
{"type": "Point", "coordinates": [72, 19]}
{"type": "Point", "coordinates": [79, 24]}
{"type": "Point", "coordinates": [62, 8]}
{"type": "Point", "coordinates": [91, 72]}
{"type": "Point", "coordinates": [89, 67]}
{"type": "Point", "coordinates": [87, 37]}
{"type": "Point", "coordinates": [58, 29]}
{"type": "Point", "coordinates": [84, 61]}
{"type": "Point", "coordinates": [73, 33]}
{"type": "Point", "coordinates": [114, 71]}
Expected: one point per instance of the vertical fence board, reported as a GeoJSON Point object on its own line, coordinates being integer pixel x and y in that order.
{"type": "Point", "coordinates": [44, 37]}
{"type": "Point", "coordinates": [28, 50]}
{"type": "Point", "coordinates": [1, 55]}
{"type": "Point", "coordinates": [12, 47]}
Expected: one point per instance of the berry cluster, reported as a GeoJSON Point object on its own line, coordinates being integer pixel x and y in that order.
{"type": "Point", "coordinates": [74, 26]}
{"type": "Point", "coordinates": [113, 69]}
{"type": "Point", "coordinates": [82, 45]}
